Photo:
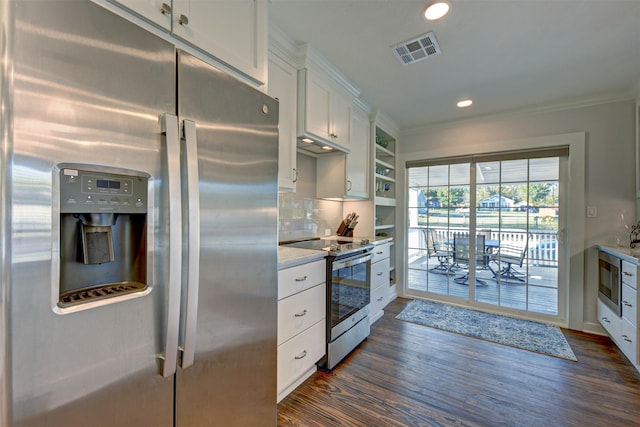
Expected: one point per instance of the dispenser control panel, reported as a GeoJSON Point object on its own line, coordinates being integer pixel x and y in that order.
{"type": "Point", "coordinates": [83, 191]}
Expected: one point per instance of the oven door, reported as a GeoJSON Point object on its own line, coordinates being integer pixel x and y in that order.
{"type": "Point", "coordinates": [350, 287]}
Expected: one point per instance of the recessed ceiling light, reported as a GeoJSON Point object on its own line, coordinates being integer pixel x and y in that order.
{"type": "Point", "coordinates": [464, 103]}
{"type": "Point", "coordinates": [307, 140]}
{"type": "Point", "coordinates": [326, 147]}
{"type": "Point", "coordinates": [436, 10]}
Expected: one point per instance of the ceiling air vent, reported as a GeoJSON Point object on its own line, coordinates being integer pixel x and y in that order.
{"type": "Point", "coordinates": [416, 49]}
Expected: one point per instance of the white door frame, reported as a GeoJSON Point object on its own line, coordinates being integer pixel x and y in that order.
{"type": "Point", "coordinates": [575, 222]}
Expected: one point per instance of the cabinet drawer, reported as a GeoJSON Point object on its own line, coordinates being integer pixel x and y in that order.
{"type": "Point", "coordinates": [380, 252]}
{"type": "Point", "coordinates": [609, 320]}
{"type": "Point", "coordinates": [297, 312]}
{"type": "Point", "coordinates": [380, 273]}
{"type": "Point", "coordinates": [297, 279]}
{"type": "Point", "coordinates": [629, 274]}
{"type": "Point", "coordinates": [299, 354]}
{"type": "Point", "coordinates": [628, 341]}
{"type": "Point", "coordinates": [378, 299]}
{"type": "Point", "coordinates": [629, 304]}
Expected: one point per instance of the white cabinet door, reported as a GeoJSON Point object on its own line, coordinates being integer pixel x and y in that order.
{"type": "Point", "coordinates": [317, 114]}
{"type": "Point", "coordinates": [283, 80]}
{"type": "Point", "coordinates": [358, 160]}
{"type": "Point", "coordinates": [156, 11]}
{"type": "Point", "coordinates": [324, 110]}
{"type": "Point", "coordinates": [234, 31]}
{"type": "Point", "coordinates": [341, 112]}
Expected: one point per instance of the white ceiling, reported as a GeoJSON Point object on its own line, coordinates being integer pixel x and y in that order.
{"type": "Point", "coordinates": [504, 54]}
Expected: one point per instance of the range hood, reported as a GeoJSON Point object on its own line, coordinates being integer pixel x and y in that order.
{"type": "Point", "coordinates": [318, 147]}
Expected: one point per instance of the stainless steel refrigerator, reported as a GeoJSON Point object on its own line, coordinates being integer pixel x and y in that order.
{"type": "Point", "coordinates": [139, 228]}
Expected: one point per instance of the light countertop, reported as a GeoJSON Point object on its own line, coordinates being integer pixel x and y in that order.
{"type": "Point", "coordinates": [290, 257]}
{"type": "Point", "coordinates": [622, 252]}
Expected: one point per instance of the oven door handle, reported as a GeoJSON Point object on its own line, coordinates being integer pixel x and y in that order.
{"type": "Point", "coordinates": [354, 260]}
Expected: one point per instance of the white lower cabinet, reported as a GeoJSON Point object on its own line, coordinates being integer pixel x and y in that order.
{"type": "Point", "coordinates": [609, 320]}
{"type": "Point", "coordinates": [627, 342]}
{"type": "Point", "coordinates": [379, 281]}
{"type": "Point", "coordinates": [623, 329]}
{"type": "Point", "coordinates": [297, 358]}
{"type": "Point", "coordinates": [301, 323]}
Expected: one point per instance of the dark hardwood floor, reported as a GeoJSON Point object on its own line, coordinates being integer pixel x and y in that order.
{"type": "Point", "coordinates": [410, 375]}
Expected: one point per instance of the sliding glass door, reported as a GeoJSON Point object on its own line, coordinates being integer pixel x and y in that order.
{"type": "Point", "coordinates": [483, 230]}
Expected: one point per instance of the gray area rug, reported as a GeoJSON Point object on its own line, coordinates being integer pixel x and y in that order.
{"type": "Point", "coordinates": [525, 334]}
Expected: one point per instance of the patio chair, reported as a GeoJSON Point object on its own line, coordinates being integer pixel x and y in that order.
{"type": "Point", "coordinates": [462, 251]}
{"type": "Point", "coordinates": [508, 257]}
{"type": "Point", "coordinates": [439, 250]}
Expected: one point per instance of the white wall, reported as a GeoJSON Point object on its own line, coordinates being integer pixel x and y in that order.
{"type": "Point", "coordinates": [609, 168]}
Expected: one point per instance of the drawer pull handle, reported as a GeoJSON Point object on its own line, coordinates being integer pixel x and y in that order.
{"type": "Point", "coordinates": [165, 9]}
{"type": "Point", "coordinates": [626, 338]}
{"type": "Point", "coordinates": [302, 313]}
{"type": "Point", "coordinates": [381, 273]}
{"type": "Point", "coordinates": [604, 319]}
{"type": "Point", "coordinates": [627, 304]}
{"type": "Point", "coordinates": [379, 253]}
{"type": "Point", "coordinates": [379, 298]}
{"type": "Point", "coordinates": [626, 273]}
{"type": "Point", "coordinates": [301, 279]}
{"type": "Point", "coordinates": [301, 355]}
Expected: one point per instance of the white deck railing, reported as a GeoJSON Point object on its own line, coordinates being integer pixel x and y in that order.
{"type": "Point", "coordinates": [542, 250]}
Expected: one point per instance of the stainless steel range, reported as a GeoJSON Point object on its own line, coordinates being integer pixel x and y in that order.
{"type": "Point", "coordinates": [348, 294]}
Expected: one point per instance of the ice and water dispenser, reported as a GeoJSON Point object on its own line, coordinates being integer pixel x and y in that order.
{"type": "Point", "coordinates": [103, 235]}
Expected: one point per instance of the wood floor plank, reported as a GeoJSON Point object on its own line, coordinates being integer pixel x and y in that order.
{"type": "Point", "coordinates": [411, 375]}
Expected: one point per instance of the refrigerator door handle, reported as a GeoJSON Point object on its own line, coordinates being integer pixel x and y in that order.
{"type": "Point", "coordinates": [169, 124]}
{"type": "Point", "coordinates": [193, 275]}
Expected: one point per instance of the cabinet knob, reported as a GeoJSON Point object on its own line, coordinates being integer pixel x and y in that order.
{"type": "Point", "coordinates": [183, 20]}
{"type": "Point", "coordinates": [334, 135]}
{"type": "Point", "coordinates": [165, 9]}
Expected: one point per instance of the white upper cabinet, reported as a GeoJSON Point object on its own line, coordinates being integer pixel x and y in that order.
{"type": "Point", "coordinates": [232, 31]}
{"type": "Point", "coordinates": [358, 160]}
{"type": "Point", "coordinates": [324, 110]}
{"type": "Point", "coordinates": [156, 11]}
{"type": "Point", "coordinates": [283, 79]}
{"type": "Point", "coordinates": [346, 176]}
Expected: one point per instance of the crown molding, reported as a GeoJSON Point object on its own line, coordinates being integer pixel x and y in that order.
{"type": "Point", "coordinates": [540, 109]}
{"type": "Point", "coordinates": [311, 58]}
{"type": "Point", "coordinates": [384, 121]}
{"type": "Point", "coordinates": [283, 46]}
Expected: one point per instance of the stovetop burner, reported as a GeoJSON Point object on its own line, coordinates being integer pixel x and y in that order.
{"type": "Point", "coordinates": [335, 247]}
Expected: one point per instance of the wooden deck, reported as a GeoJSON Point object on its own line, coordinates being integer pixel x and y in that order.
{"type": "Point", "coordinates": [410, 375]}
{"type": "Point", "coordinates": [539, 294]}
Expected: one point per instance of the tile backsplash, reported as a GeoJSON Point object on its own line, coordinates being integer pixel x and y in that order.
{"type": "Point", "coordinates": [300, 214]}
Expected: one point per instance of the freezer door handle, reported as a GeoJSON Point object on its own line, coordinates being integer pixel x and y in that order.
{"type": "Point", "coordinates": [193, 213]}
{"type": "Point", "coordinates": [169, 124]}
